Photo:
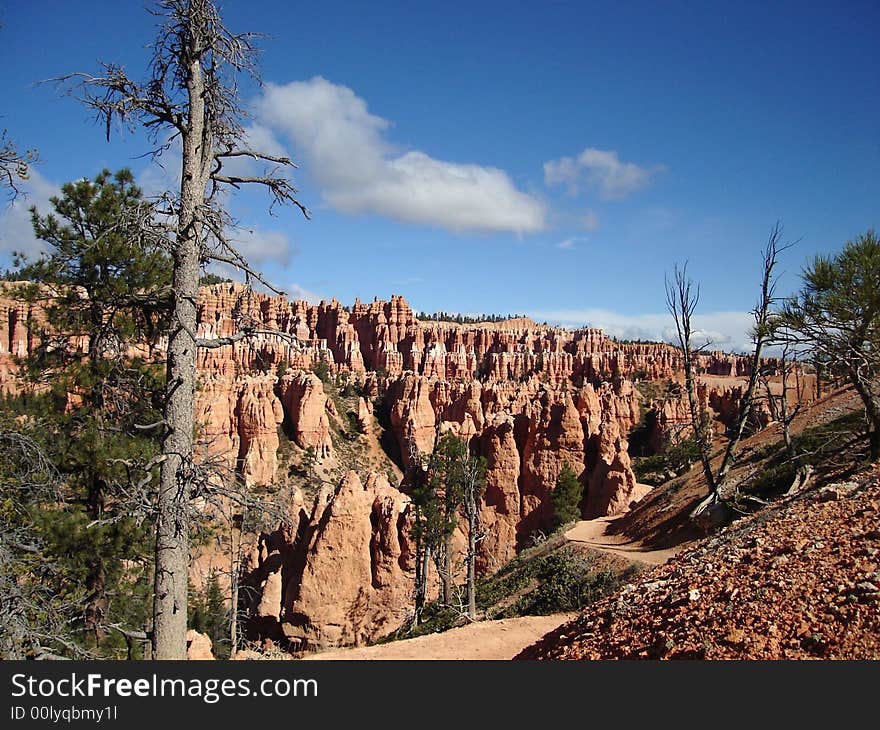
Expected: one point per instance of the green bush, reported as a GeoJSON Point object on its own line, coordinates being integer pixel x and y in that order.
{"type": "Point", "coordinates": [567, 583]}
{"type": "Point", "coordinates": [565, 498]}
{"type": "Point", "coordinates": [681, 454]}
{"type": "Point", "coordinates": [322, 370]}
{"type": "Point", "coordinates": [772, 480]}
{"type": "Point", "coordinates": [208, 614]}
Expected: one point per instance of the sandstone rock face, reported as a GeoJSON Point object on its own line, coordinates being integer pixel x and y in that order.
{"type": "Point", "coordinates": [612, 482]}
{"type": "Point", "coordinates": [198, 646]}
{"type": "Point", "coordinates": [555, 438]}
{"type": "Point", "coordinates": [500, 510]}
{"type": "Point", "coordinates": [238, 420]}
{"type": "Point", "coordinates": [413, 417]}
{"type": "Point", "coordinates": [529, 398]}
{"type": "Point", "coordinates": [364, 416]}
{"type": "Point", "coordinates": [305, 402]}
{"type": "Point", "coordinates": [259, 414]}
{"type": "Point", "coordinates": [216, 403]}
{"type": "Point", "coordinates": [344, 574]}
{"type": "Point", "coordinates": [527, 432]}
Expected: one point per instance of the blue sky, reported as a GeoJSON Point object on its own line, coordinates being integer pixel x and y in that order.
{"type": "Point", "coordinates": [547, 158]}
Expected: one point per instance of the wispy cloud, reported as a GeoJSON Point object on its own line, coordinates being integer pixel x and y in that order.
{"type": "Point", "coordinates": [724, 330]}
{"type": "Point", "coordinates": [569, 243]}
{"type": "Point", "coordinates": [16, 231]}
{"type": "Point", "coordinates": [599, 169]}
{"type": "Point", "coordinates": [259, 246]}
{"type": "Point", "coordinates": [297, 292]}
{"type": "Point", "coordinates": [359, 171]}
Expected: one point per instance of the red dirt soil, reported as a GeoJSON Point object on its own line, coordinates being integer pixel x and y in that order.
{"type": "Point", "coordinates": [800, 579]}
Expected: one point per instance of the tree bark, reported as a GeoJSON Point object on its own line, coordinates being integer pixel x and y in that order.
{"type": "Point", "coordinates": [172, 524]}
{"type": "Point", "coordinates": [471, 560]}
{"type": "Point", "coordinates": [697, 419]}
{"type": "Point", "coordinates": [872, 412]}
{"type": "Point", "coordinates": [422, 588]}
{"type": "Point", "coordinates": [446, 577]}
{"type": "Point", "coordinates": [234, 572]}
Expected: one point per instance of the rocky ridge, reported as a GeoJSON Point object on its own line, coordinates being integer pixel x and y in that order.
{"type": "Point", "coordinates": [801, 580]}
{"type": "Point", "coordinates": [528, 397]}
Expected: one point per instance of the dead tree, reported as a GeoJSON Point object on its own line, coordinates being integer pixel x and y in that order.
{"type": "Point", "coordinates": [473, 482]}
{"type": "Point", "coordinates": [192, 97]}
{"type": "Point", "coordinates": [682, 297]}
{"type": "Point", "coordinates": [761, 333]}
{"type": "Point", "coordinates": [787, 413]}
{"type": "Point", "coordinates": [781, 410]}
{"type": "Point", "coordinates": [416, 481]}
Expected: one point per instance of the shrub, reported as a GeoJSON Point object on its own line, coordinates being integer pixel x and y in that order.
{"type": "Point", "coordinates": [322, 370]}
{"type": "Point", "coordinates": [568, 582]}
{"type": "Point", "coordinates": [565, 499]}
{"type": "Point", "coordinates": [681, 454]}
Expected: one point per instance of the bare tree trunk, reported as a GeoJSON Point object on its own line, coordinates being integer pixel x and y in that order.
{"type": "Point", "coordinates": [422, 587]}
{"type": "Point", "coordinates": [471, 561]}
{"type": "Point", "coordinates": [761, 332]}
{"type": "Point", "coordinates": [872, 412]}
{"type": "Point", "coordinates": [233, 619]}
{"type": "Point", "coordinates": [172, 524]}
{"type": "Point", "coordinates": [681, 302]}
{"type": "Point", "coordinates": [234, 573]}
{"type": "Point", "coordinates": [192, 94]}
{"type": "Point", "coordinates": [446, 573]}
{"type": "Point", "coordinates": [96, 603]}
{"type": "Point", "coordinates": [474, 471]}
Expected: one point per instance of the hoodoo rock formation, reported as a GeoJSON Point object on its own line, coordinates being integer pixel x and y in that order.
{"type": "Point", "coordinates": [529, 398]}
{"type": "Point", "coordinates": [343, 573]}
{"type": "Point", "coordinates": [305, 404]}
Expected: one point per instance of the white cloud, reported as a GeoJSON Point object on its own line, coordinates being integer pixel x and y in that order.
{"type": "Point", "coordinates": [359, 171]}
{"type": "Point", "coordinates": [296, 292]}
{"type": "Point", "coordinates": [259, 246]}
{"type": "Point", "coordinates": [727, 331]}
{"type": "Point", "coordinates": [16, 231]}
{"type": "Point", "coordinates": [602, 170]}
{"type": "Point", "coordinates": [258, 137]}
{"type": "Point", "coordinates": [568, 244]}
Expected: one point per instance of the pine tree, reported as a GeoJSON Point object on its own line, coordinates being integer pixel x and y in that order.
{"type": "Point", "coordinates": [566, 497]}
{"type": "Point", "coordinates": [836, 315]}
{"type": "Point", "coordinates": [95, 285]}
{"type": "Point", "coordinates": [216, 615]}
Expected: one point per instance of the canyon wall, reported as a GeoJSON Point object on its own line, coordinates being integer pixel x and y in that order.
{"type": "Point", "coordinates": [529, 398]}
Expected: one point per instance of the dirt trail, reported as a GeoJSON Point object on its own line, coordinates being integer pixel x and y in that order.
{"type": "Point", "coordinates": [502, 639]}
{"type": "Point", "coordinates": [594, 534]}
